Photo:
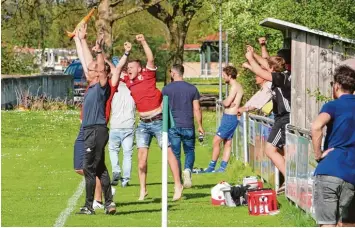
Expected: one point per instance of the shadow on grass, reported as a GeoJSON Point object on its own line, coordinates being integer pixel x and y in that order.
{"type": "Point", "coordinates": [143, 211]}
{"type": "Point", "coordinates": [195, 195]}
{"type": "Point", "coordinates": [147, 201]}
{"type": "Point", "coordinates": [150, 184]}
{"type": "Point", "coordinates": [204, 186]}
{"type": "Point", "coordinates": [139, 211]}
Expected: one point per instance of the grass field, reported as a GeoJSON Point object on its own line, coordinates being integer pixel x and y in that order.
{"type": "Point", "coordinates": [38, 180]}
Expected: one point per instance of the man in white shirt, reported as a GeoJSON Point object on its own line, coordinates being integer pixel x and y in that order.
{"type": "Point", "coordinates": [121, 134]}
{"type": "Point", "coordinates": [260, 98]}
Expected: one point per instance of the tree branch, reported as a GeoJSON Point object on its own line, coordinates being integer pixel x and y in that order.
{"type": "Point", "coordinates": [138, 8]}
{"type": "Point", "coordinates": [116, 3]}
{"type": "Point", "coordinates": [160, 13]}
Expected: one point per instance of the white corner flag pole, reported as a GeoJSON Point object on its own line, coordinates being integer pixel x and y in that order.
{"type": "Point", "coordinates": [164, 190]}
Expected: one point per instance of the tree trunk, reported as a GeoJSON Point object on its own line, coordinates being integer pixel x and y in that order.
{"type": "Point", "coordinates": [104, 23]}
{"type": "Point", "coordinates": [178, 32]}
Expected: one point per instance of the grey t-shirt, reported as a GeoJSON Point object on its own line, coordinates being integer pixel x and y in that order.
{"type": "Point", "coordinates": [94, 105]}
{"type": "Point", "coordinates": [123, 108]}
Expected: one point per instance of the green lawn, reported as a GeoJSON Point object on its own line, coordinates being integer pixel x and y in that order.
{"type": "Point", "coordinates": [38, 180]}
{"type": "Point", "coordinates": [204, 87]}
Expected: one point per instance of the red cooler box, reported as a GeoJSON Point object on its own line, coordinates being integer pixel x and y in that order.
{"type": "Point", "coordinates": [262, 201]}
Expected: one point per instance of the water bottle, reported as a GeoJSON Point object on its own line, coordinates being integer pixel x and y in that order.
{"type": "Point", "coordinates": [200, 138]}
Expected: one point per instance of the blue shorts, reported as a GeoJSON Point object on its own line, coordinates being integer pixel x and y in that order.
{"type": "Point", "coordinates": [228, 125]}
{"type": "Point", "coordinates": [79, 150]}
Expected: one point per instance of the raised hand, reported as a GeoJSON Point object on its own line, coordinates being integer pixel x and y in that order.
{"type": "Point", "coordinates": [262, 41]}
{"type": "Point", "coordinates": [127, 46]}
{"type": "Point", "coordinates": [99, 41]}
{"type": "Point", "coordinates": [82, 31]}
{"type": "Point", "coordinates": [250, 48]}
{"type": "Point", "coordinates": [140, 38]}
{"type": "Point", "coordinates": [249, 55]}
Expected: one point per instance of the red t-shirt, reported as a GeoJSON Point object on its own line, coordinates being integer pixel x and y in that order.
{"type": "Point", "coordinates": [144, 91]}
{"type": "Point", "coordinates": [113, 90]}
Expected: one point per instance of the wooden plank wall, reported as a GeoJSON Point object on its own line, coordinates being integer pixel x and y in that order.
{"type": "Point", "coordinates": [326, 68]}
{"type": "Point", "coordinates": [312, 68]}
{"type": "Point", "coordinates": [313, 61]}
{"type": "Point", "coordinates": [298, 78]}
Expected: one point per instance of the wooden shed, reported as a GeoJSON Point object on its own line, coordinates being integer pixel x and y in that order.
{"type": "Point", "coordinates": [314, 56]}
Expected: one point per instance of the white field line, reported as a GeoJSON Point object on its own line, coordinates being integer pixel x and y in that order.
{"type": "Point", "coordinates": [62, 218]}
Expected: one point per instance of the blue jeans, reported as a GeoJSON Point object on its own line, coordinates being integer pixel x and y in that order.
{"type": "Point", "coordinates": [186, 136]}
{"type": "Point", "coordinates": [124, 137]}
{"type": "Point", "coordinates": [146, 131]}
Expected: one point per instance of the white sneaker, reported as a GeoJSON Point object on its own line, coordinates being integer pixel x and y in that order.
{"type": "Point", "coordinates": [113, 190]}
{"type": "Point", "coordinates": [97, 205]}
{"type": "Point", "coordinates": [186, 175]}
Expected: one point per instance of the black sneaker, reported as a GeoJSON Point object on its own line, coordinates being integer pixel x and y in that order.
{"type": "Point", "coordinates": [85, 211]}
{"type": "Point", "coordinates": [111, 209]}
{"type": "Point", "coordinates": [116, 177]}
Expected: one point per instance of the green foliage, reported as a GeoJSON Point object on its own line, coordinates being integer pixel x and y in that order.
{"type": "Point", "coordinates": [191, 56]}
{"type": "Point", "coordinates": [41, 23]}
{"type": "Point", "coordinates": [318, 95]}
{"type": "Point", "coordinates": [16, 63]}
{"type": "Point", "coordinates": [241, 20]}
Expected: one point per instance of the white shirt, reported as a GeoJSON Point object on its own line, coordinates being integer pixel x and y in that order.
{"type": "Point", "coordinates": [261, 97]}
{"type": "Point", "coordinates": [123, 108]}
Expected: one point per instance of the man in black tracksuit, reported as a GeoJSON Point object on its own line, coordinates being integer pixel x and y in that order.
{"type": "Point", "coordinates": [95, 126]}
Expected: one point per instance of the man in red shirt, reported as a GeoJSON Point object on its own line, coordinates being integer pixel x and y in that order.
{"type": "Point", "coordinates": [142, 84]}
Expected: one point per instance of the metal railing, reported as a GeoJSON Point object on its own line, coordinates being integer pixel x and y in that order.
{"type": "Point", "coordinates": [249, 145]}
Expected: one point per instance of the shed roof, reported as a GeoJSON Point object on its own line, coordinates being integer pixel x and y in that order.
{"type": "Point", "coordinates": [284, 25]}
{"type": "Point", "coordinates": [213, 37]}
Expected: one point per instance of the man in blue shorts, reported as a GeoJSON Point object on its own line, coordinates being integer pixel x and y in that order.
{"type": "Point", "coordinates": [229, 120]}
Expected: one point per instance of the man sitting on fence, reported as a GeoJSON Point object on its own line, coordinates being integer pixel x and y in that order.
{"type": "Point", "coordinates": [229, 120]}
{"type": "Point", "coordinates": [335, 174]}
{"type": "Point", "coordinates": [274, 69]}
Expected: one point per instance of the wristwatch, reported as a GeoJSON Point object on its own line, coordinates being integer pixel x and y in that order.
{"type": "Point", "coordinates": [126, 53]}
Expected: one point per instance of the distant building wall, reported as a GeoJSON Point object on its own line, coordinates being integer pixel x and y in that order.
{"type": "Point", "coordinates": [54, 86]}
{"type": "Point", "coordinates": [193, 70]}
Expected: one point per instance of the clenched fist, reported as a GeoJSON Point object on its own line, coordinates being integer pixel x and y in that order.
{"type": "Point", "coordinates": [262, 41]}
{"type": "Point", "coordinates": [127, 46]}
{"type": "Point", "coordinates": [140, 38]}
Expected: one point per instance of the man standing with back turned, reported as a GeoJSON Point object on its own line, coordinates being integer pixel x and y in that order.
{"type": "Point", "coordinates": [335, 174]}
{"type": "Point", "coordinates": [184, 104]}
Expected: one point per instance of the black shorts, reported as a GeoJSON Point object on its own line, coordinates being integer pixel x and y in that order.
{"type": "Point", "coordinates": [277, 135]}
{"type": "Point", "coordinates": [79, 150]}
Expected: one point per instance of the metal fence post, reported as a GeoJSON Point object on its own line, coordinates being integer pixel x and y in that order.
{"type": "Point", "coordinates": [245, 137]}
